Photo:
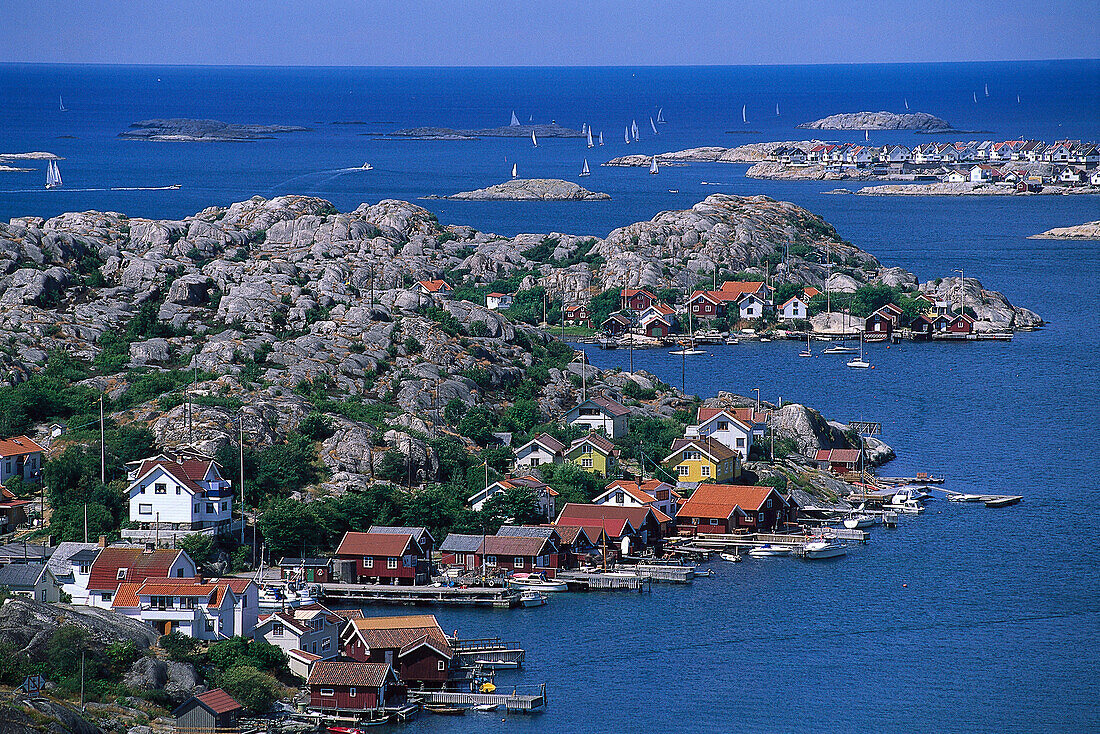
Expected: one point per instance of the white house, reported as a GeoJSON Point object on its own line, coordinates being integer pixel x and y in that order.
{"type": "Point", "coordinates": [542, 449]}
{"type": "Point", "coordinates": [71, 565]}
{"type": "Point", "coordinates": [189, 494]}
{"type": "Point", "coordinates": [651, 493]}
{"type": "Point", "coordinates": [115, 566]}
{"type": "Point", "coordinates": [498, 301]}
{"type": "Point", "coordinates": [1094, 179]}
{"type": "Point", "coordinates": [439, 288]}
{"type": "Point", "coordinates": [311, 629]}
{"type": "Point", "coordinates": [206, 609]}
{"type": "Point", "coordinates": [601, 414]}
{"type": "Point", "coordinates": [544, 494]}
{"type": "Point", "coordinates": [981, 173]}
{"type": "Point", "coordinates": [20, 456]}
{"type": "Point", "coordinates": [955, 177]}
{"type": "Point", "coordinates": [724, 428]}
{"type": "Point", "coordinates": [751, 306]}
{"type": "Point", "coordinates": [32, 580]}
{"type": "Point", "coordinates": [793, 308]}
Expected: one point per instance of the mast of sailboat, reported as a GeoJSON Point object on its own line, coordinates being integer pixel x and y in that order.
{"type": "Point", "coordinates": [61, 103]}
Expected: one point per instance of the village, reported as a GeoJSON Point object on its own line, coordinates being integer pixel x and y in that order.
{"type": "Point", "coordinates": [1027, 165]}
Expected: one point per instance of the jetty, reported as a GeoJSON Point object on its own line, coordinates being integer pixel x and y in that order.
{"type": "Point", "coordinates": [470, 596]}
{"type": "Point", "coordinates": [665, 573]}
{"type": "Point", "coordinates": [590, 581]}
{"type": "Point", "coordinates": [514, 701]}
{"type": "Point", "coordinates": [487, 652]}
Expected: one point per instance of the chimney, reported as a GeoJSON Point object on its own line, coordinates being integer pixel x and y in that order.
{"type": "Point", "coordinates": [150, 547]}
{"type": "Point", "coordinates": [102, 543]}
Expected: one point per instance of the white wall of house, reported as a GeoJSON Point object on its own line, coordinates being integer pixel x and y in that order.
{"type": "Point", "coordinates": [599, 420]}
{"type": "Point", "coordinates": [160, 497]}
{"type": "Point", "coordinates": [27, 465]}
{"type": "Point", "coordinates": [536, 455]}
{"type": "Point", "coordinates": [323, 641]}
{"type": "Point", "coordinates": [751, 307]}
{"type": "Point", "coordinates": [730, 433]}
{"type": "Point", "coordinates": [793, 309]}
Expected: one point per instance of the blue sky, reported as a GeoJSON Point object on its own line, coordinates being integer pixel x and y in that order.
{"type": "Point", "coordinates": [544, 32]}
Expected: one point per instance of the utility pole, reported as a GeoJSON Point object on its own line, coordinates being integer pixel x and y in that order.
{"type": "Point", "coordinates": [240, 423]}
{"type": "Point", "coordinates": [85, 522]}
{"type": "Point", "coordinates": [962, 293]}
{"type": "Point", "coordinates": [757, 391]}
{"type": "Point", "coordinates": [81, 680]}
{"type": "Point", "coordinates": [102, 446]}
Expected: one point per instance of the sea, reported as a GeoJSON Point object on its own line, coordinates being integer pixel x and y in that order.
{"type": "Point", "coordinates": [962, 619]}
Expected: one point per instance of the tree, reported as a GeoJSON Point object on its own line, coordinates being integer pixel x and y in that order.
{"type": "Point", "coordinates": [289, 527]}
{"type": "Point", "coordinates": [603, 305]}
{"type": "Point", "coordinates": [315, 427]}
{"type": "Point", "coordinates": [454, 410]}
{"type": "Point", "coordinates": [477, 425]}
{"type": "Point", "coordinates": [199, 546]}
{"type": "Point", "coordinates": [435, 507]}
{"type": "Point", "coordinates": [572, 483]}
{"type": "Point", "coordinates": [518, 505]}
{"type": "Point", "coordinates": [523, 415]}
{"type": "Point", "coordinates": [253, 689]}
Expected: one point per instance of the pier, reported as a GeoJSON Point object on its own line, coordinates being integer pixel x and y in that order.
{"type": "Point", "coordinates": [489, 652]}
{"type": "Point", "coordinates": [585, 581]}
{"type": "Point", "coordinates": [517, 702]}
{"type": "Point", "coordinates": [475, 596]}
{"type": "Point", "coordinates": [665, 573]}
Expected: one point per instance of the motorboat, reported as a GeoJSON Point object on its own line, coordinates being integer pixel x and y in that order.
{"type": "Point", "coordinates": [732, 340]}
{"type": "Point", "coordinates": [911, 493]}
{"type": "Point", "coordinates": [532, 598]}
{"type": "Point", "coordinates": [838, 349]}
{"type": "Point", "coordinates": [533, 581]}
{"type": "Point", "coordinates": [731, 557]}
{"type": "Point", "coordinates": [366, 167]}
{"type": "Point", "coordinates": [486, 707]}
{"type": "Point", "coordinates": [768, 550]}
{"type": "Point", "coordinates": [687, 351]}
{"type": "Point", "coordinates": [823, 549]}
{"type": "Point", "coordinates": [959, 497]}
{"type": "Point", "coordinates": [858, 522]}
{"type": "Point", "coordinates": [909, 507]}
{"type": "Point", "coordinates": [1002, 501]}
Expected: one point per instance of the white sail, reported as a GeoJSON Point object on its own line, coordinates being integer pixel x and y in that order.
{"type": "Point", "coordinates": [744, 118]}
{"type": "Point", "coordinates": [906, 104]}
{"type": "Point", "coordinates": [61, 103]}
{"type": "Point", "coordinates": [534, 140]}
{"type": "Point", "coordinates": [590, 143]}
{"type": "Point", "coordinates": [1017, 99]}
{"type": "Point", "coordinates": [601, 137]}
{"type": "Point", "coordinates": [515, 120]}
{"type": "Point", "coordinates": [975, 97]}
{"type": "Point", "coordinates": [653, 165]}
{"type": "Point", "coordinates": [653, 125]}
{"type": "Point", "coordinates": [866, 134]}
{"type": "Point", "coordinates": [634, 129]}
{"type": "Point", "coordinates": [53, 175]}
{"type": "Point", "coordinates": [584, 170]}
{"type": "Point", "coordinates": [515, 170]}
{"type": "Point", "coordinates": [661, 116]}
{"type": "Point", "coordinates": [777, 109]}
{"type": "Point", "coordinates": [987, 90]}
{"type": "Point", "coordinates": [626, 134]}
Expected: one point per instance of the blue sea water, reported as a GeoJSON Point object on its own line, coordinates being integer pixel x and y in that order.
{"type": "Point", "coordinates": [965, 619]}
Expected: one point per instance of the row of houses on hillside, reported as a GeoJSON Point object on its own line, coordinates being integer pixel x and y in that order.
{"type": "Point", "coordinates": [987, 151]}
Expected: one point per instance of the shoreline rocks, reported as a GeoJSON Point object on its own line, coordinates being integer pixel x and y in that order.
{"type": "Point", "coordinates": [187, 130]}
{"type": "Point", "coordinates": [1086, 231]}
{"type": "Point", "coordinates": [879, 121]}
{"type": "Point", "coordinates": [530, 189]}
{"type": "Point", "coordinates": [749, 153]}
{"type": "Point", "coordinates": [971, 189]}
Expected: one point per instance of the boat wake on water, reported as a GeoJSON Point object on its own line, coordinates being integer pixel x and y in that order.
{"type": "Point", "coordinates": [336, 173]}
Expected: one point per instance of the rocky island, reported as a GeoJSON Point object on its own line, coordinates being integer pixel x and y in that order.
{"type": "Point", "coordinates": [750, 153]}
{"type": "Point", "coordinates": [530, 189]}
{"type": "Point", "coordinates": [552, 130]}
{"type": "Point", "coordinates": [185, 130]}
{"type": "Point", "coordinates": [921, 121]}
{"type": "Point", "coordinates": [1086, 231]}
{"type": "Point", "coordinates": [6, 160]}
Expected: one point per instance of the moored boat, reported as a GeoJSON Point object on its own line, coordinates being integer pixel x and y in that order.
{"type": "Point", "coordinates": [534, 581]}
{"type": "Point", "coordinates": [532, 598]}
{"type": "Point", "coordinates": [857, 522]}
{"type": "Point", "coordinates": [731, 557]}
{"type": "Point", "coordinates": [823, 549]}
{"type": "Point", "coordinates": [1002, 501]}
{"type": "Point", "coordinates": [769, 550]}
{"type": "Point", "coordinates": [839, 349]}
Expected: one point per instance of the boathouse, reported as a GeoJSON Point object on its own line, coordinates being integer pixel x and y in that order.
{"type": "Point", "coordinates": [207, 713]}
{"type": "Point", "coordinates": [727, 508]}
{"type": "Point", "coordinates": [616, 324]}
{"type": "Point", "coordinates": [349, 687]}
{"type": "Point", "coordinates": [839, 461]}
{"type": "Point", "coordinates": [414, 645]}
{"type": "Point", "coordinates": [644, 525]}
{"type": "Point", "coordinates": [384, 558]}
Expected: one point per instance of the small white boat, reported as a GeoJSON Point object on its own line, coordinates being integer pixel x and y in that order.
{"type": "Point", "coordinates": [61, 103]}
{"type": "Point", "coordinates": [601, 137]}
{"type": "Point", "coordinates": [515, 170]}
{"type": "Point", "coordinates": [486, 707]}
{"type": "Point", "coordinates": [859, 363]}
{"type": "Point", "coordinates": [366, 167]}
{"type": "Point", "coordinates": [731, 557]}
{"type": "Point", "coordinates": [533, 581]}
{"type": "Point", "coordinates": [908, 507]}
{"type": "Point", "coordinates": [987, 90]}
{"type": "Point", "coordinates": [838, 349]}
{"type": "Point", "coordinates": [824, 549]}
{"type": "Point", "coordinates": [777, 109]}
{"type": "Point", "coordinates": [687, 352]}
{"type": "Point", "coordinates": [653, 125]}
{"type": "Point", "coordinates": [910, 493]}
{"type": "Point", "coordinates": [653, 165]}
{"type": "Point", "coordinates": [626, 135]}
{"type": "Point", "coordinates": [661, 116]}
{"type": "Point", "coordinates": [534, 140]}
{"type": "Point", "coordinates": [531, 598]}
{"type": "Point", "coordinates": [732, 340]}
{"type": "Point", "coordinates": [584, 169]}
{"type": "Point", "coordinates": [807, 352]}
{"type": "Point", "coordinates": [959, 497]}
{"type": "Point", "coordinates": [634, 129]}
{"type": "Point", "coordinates": [765, 339]}
{"type": "Point", "coordinates": [768, 550]}
{"type": "Point", "coordinates": [744, 117]}
{"type": "Point", "coordinates": [858, 522]}
{"type": "Point", "coordinates": [53, 176]}
{"type": "Point", "coordinates": [906, 104]}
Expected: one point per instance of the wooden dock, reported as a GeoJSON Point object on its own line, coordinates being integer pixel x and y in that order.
{"type": "Point", "coordinates": [475, 596]}
{"type": "Point", "coordinates": [665, 573]}
{"type": "Point", "coordinates": [518, 702]}
{"type": "Point", "coordinates": [585, 581]}
{"type": "Point", "coordinates": [487, 652]}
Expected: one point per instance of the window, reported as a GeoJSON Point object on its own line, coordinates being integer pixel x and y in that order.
{"type": "Point", "coordinates": [683, 470]}
{"type": "Point", "coordinates": [325, 643]}
{"type": "Point", "coordinates": [740, 443]}
{"type": "Point", "coordinates": [198, 509]}
{"type": "Point", "coordinates": [160, 488]}
{"type": "Point", "coordinates": [107, 596]}
{"type": "Point", "coordinates": [760, 517]}
{"type": "Point", "coordinates": [368, 562]}
{"type": "Point", "coordinates": [120, 574]}
{"type": "Point", "coordinates": [723, 425]}
{"type": "Point", "coordinates": [491, 560]}
{"type": "Point", "coordinates": [705, 470]}
{"type": "Point", "coordinates": [534, 461]}
{"type": "Point", "coordinates": [327, 692]}
{"type": "Point", "coordinates": [714, 521]}
{"type": "Point", "coordinates": [278, 629]}
{"type": "Point", "coordinates": [209, 506]}
{"type": "Point", "coordinates": [391, 563]}
{"type": "Point", "coordinates": [225, 506]}
{"type": "Point", "coordinates": [179, 573]}
{"type": "Point", "coordinates": [179, 491]}
{"type": "Point", "coordinates": [518, 562]}
{"type": "Point", "coordinates": [619, 498]}
{"type": "Point", "coordinates": [351, 692]}
{"type": "Point", "coordinates": [768, 504]}
{"type": "Point", "coordinates": [142, 490]}
{"type": "Point", "coordinates": [441, 665]}
{"type": "Point", "coordinates": [586, 463]}
{"type": "Point", "coordinates": [85, 568]}
{"type": "Point", "coordinates": [144, 509]}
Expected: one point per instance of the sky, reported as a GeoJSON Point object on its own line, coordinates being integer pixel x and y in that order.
{"type": "Point", "coordinates": [544, 32]}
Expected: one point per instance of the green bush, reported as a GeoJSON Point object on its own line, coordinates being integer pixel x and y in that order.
{"type": "Point", "coordinates": [253, 689]}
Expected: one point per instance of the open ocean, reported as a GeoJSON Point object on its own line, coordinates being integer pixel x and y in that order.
{"type": "Point", "coordinates": [964, 619]}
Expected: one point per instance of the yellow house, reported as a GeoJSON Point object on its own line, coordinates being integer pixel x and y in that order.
{"type": "Point", "coordinates": [703, 460]}
{"type": "Point", "coordinates": [594, 453]}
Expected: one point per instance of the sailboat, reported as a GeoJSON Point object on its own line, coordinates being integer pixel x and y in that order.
{"type": "Point", "coordinates": [590, 143]}
{"type": "Point", "coordinates": [866, 134]}
{"type": "Point", "coordinates": [626, 135]}
{"type": "Point", "coordinates": [53, 176]}
{"type": "Point", "coordinates": [777, 109]}
{"type": "Point", "coordinates": [907, 105]}
{"type": "Point", "coordinates": [1017, 99]}
{"type": "Point", "coordinates": [601, 137]}
{"type": "Point", "coordinates": [653, 125]}
{"type": "Point", "coordinates": [653, 165]}
{"type": "Point", "coordinates": [690, 349]}
{"type": "Point", "coordinates": [806, 352]}
{"type": "Point", "coordinates": [534, 140]}
{"type": "Point", "coordinates": [584, 170]}
{"type": "Point", "coordinates": [975, 97]}
{"type": "Point", "coordinates": [515, 170]}
{"type": "Point", "coordinates": [661, 116]}
{"type": "Point", "coordinates": [859, 363]}
{"type": "Point", "coordinates": [744, 117]}
{"type": "Point", "coordinates": [634, 129]}
{"type": "Point", "coordinates": [515, 120]}
{"type": "Point", "coordinates": [61, 103]}
{"type": "Point", "coordinates": [584, 128]}
{"type": "Point", "coordinates": [987, 90]}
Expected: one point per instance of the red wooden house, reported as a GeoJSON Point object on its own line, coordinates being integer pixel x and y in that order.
{"type": "Point", "coordinates": [961, 324]}
{"type": "Point", "coordinates": [657, 327]}
{"type": "Point", "coordinates": [644, 525]}
{"type": "Point", "coordinates": [385, 558]}
{"type": "Point", "coordinates": [838, 460]}
{"type": "Point", "coordinates": [727, 508]}
{"type": "Point", "coordinates": [636, 299]}
{"type": "Point", "coordinates": [414, 645]}
{"type": "Point", "coordinates": [575, 544]}
{"type": "Point", "coordinates": [514, 548]}
{"type": "Point", "coordinates": [578, 315]}
{"type": "Point", "coordinates": [921, 327]}
{"type": "Point", "coordinates": [342, 687]}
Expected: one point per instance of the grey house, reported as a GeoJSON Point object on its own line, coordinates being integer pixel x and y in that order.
{"type": "Point", "coordinates": [213, 711]}
{"type": "Point", "coordinates": [32, 580]}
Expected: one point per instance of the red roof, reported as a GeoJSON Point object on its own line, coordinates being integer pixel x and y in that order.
{"type": "Point", "coordinates": [348, 673]}
{"type": "Point", "coordinates": [631, 292]}
{"type": "Point", "coordinates": [609, 517]}
{"type": "Point", "coordinates": [18, 445]}
{"type": "Point", "coordinates": [741, 287]}
{"type": "Point", "coordinates": [398, 633]}
{"type": "Point", "coordinates": [722, 500]}
{"type": "Point", "coordinates": [838, 456]}
{"type": "Point", "coordinates": [643, 492]}
{"type": "Point", "coordinates": [375, 544]}
{"type": "Point", "coordinates": [432, 286]}
{"type": "Point", "coordinates": [189, 472]}
{"type": "Point", "coordinates": [126, 596]}
{"type": "Point", "coordinates": [139, 564]}
{"type": "Point", "coordinates": [218, 701]}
